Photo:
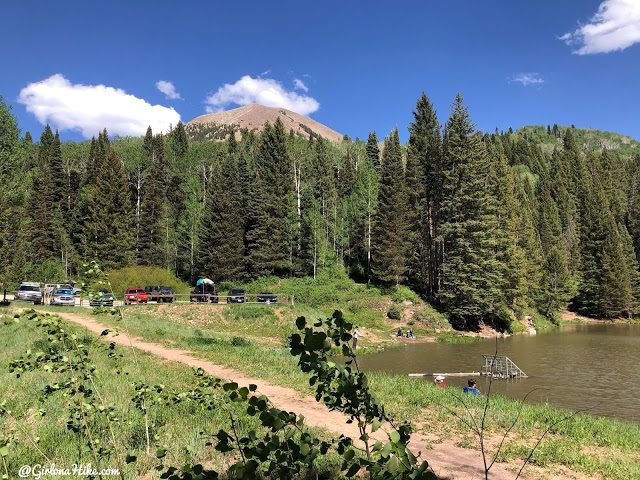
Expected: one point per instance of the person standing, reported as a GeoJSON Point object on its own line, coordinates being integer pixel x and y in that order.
{"type": "Point", "coordinates": [356, 335]}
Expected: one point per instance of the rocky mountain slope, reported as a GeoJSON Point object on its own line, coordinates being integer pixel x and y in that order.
{"type": "Point", "coordinates": [218, 126]}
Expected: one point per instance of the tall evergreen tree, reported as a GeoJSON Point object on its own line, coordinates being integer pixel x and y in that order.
{"type": "Point", "coordinates": [269, 206]}
{"type": "Point", "coordinates": [108, 237]}
{"type": "Point", "coordinates": [391, 229]}
{"type": "Point", "coordinates": [220, 233]}
{"type": "Point", "coordinates": [373, 151]}
{"type": "Point", "coordinates": [424, 183]}
{"type": "Point", "coordinates": [470, 272]}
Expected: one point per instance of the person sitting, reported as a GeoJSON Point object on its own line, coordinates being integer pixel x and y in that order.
{"type": "Point", "coordinates": [472, 389]}
{"type": "Point", "coordinates": [439, 380]}
{"type": "Point", "coordinates": [410, 334]}
{"type": "Point", "coordinates": [399, 334]}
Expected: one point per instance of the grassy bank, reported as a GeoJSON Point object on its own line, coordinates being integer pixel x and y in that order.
{"type": "Point", "coordinates": [583, 443]}
{"type": "Point", "coordinates": [33, 424]}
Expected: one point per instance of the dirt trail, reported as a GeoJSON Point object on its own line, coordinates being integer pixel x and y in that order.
{"type": "Point", "coordinates": [447, 460]}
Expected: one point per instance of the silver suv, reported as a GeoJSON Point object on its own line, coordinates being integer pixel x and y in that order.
{"type": "Point", "coordinates": [29, 292]}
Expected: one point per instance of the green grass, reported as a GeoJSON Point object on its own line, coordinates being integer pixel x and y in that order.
{"type": "Point", "coordinates": [415, 400]}
{"type": "Point", "coordinates": [408, 399]}
{"type": "Point", "coordinates": [182, 429]}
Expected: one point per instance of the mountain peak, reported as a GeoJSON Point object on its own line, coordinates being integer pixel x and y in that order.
{"type": "Point", "coordinates": [218, 126]}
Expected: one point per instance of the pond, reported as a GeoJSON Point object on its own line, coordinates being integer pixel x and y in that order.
{"type": "Point", "coordinates": [575, 367]}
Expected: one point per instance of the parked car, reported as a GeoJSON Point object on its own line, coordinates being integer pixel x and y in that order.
{"type": "Point", "coordinates": [204, 293]}
{"type": "Point", "coordinates": [236, 295]}
{"type": "Point", "coordinates": [135, 295]}
{"type": "Point", "coordinates": [102, 298]}
{"type": "Point", "coordinates": [160, 293]}
{"type": "Point", "coordinates": [29, 292]}
{"type": "Point", "coordinates": [63, 296]}
{"type": "Point", "coordinates": [267, 297]}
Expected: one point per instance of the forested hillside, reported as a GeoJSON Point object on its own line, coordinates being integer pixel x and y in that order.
{"type": "Point", "coordinates": [483, 225]}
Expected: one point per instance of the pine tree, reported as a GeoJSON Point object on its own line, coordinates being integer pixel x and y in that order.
{"type": "Point", "coordinates": [373, 151]}
{"type": "Point", "coordinates": [56, 169]}
{"type": "Point", "coordinates": [179, 140]}
{"type": "Point", "coordinates": [43, 211]}
{"type": "Point", "coordinates": [470, 272]}
{"type": "Point", "coordinates": [269, 205]}
{"type": "Point", "coordinates": [424, 183]}
{"type": "Point", "coordinates": [631, 262]}
{"type": "Point", "coordinates": [108, 237]}
{"type": "Point", "coordinates": [150, 241]}
{"type": "Point", "coordinates": [513, 224]}
{"type": "Point", "coordinates": [391, 243]}
{"type": "Point", "coordinates": [220, 249]}
{"type": "Point", "coordinates": [557, 283]}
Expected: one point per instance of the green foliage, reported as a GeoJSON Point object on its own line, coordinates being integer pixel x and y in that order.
{"type": "Point", "coordinates": [391, 234]}
{"type": "Point", "coordinates": [430, 318]}
{"type": "Point", "coordinates": [402, 293]}
{"type": "Point", "coordinates": [470, 270]}
{"type": "Point", "coordinates": [127, 277]}
{"type": "Point", "coordinates": [240, 342]}
{"type": "Point", "coordinates": [346, 389]}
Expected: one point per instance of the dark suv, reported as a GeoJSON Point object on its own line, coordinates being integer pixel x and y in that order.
{"type": "Point", "coordinates": [160, 293]}
{"type": "Point", "coordinates": [236, 295]}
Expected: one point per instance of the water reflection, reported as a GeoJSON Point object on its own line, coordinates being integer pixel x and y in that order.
{"type": "Point", "coordinates": [575, 368]}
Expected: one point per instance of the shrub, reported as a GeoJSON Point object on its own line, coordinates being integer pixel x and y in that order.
{"type": "Point", "coordinates": [142, 276]}
{"type": "Point", "coordinates": [502, 319]}
{"type": "Point", "coordinates": [394, 313]}
{"type": "Point", "coordinates": [403, 293]}
{"type": "Point", "coordinates": [430, 318]}
{"type": "Point", "coordinates": [240, 342]}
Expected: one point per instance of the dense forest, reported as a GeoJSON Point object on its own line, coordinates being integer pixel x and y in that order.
{"type": "Point", "coordinates": [483, 225]}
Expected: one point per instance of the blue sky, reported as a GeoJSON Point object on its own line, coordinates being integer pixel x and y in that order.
{"type": "Point", "coordinates": [354, 66]}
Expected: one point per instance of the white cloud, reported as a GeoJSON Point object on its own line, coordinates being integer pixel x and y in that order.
{"type": "Point", "coordinates": [90, 108]}
{"type": "Point", "coordinates": [264, 91]}
{"type": "Point", "coordinates": [616, 26]}
{"type": "Point", "coordinates": [299, 85]}
{"type": "Point", "coordinates": [532, 78]}
{"type": "Point", "coordinates": [168, 89]}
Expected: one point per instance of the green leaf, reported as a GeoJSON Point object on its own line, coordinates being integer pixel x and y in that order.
{"type": "Point", "coordinates": [304, 449]}
{"type": "Point", "coordinates": [4, 451]}
{"type": "Point", "coordinates": [375, 425]}
{"type": "Point", "coordinates": [131, 458]}
{"type": "Point", "coordinates": [353, 470]}
{"type": "Point", "coordinates": [392, 466]}
{"type": "Point", "coordinates": [394, 436]}
{"type": "Point", "coordinates": [349, 454]}
{"type": "Point", "coordinates": [161, 453]}
{"type": "Point", "coordinates": [300, 323]}
{"type": "Point", "coordinates": [230, 386]}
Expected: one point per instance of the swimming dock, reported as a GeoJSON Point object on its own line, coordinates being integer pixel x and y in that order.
{"type": "Point", "coordinates": [498, 366]}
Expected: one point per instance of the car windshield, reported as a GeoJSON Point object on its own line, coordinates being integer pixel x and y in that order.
{"type": "Point", "coordinates": [236, 292]}
{"type": "Point", "coordinates": [29, 288]}
{"type": "Point", "coordinates": [136, 290]}
{"type": "Point", "coordinates": [63, 292]}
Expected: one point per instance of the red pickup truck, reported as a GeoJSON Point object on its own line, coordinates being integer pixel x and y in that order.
{"type": "Point", "coordinates": [135, 295]}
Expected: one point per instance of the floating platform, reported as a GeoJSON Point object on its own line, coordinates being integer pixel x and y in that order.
{"type": "Point", "coordinates": [496, 366]}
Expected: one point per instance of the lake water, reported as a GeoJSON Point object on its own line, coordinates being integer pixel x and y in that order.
{"type": "Point", "coordinates": [575, 367]}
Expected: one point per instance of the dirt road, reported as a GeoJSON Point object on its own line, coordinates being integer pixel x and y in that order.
{"type": "Point", "coordinates": [447, 460]}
